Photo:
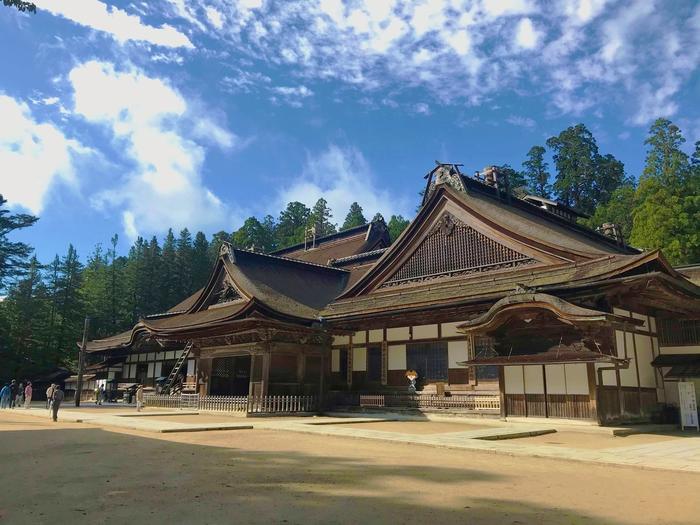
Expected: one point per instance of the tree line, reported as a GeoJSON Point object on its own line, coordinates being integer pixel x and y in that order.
{"type": "Point", "coordinates": [41, 316]}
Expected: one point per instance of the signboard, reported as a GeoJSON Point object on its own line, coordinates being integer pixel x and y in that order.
{"type": "Point", "coordinates": [689, 405]}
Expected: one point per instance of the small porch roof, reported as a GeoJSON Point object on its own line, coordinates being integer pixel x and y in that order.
{"type": "Point", "coordinates": [559, 354]}
{"type": "Point", "coordinates": [522, 302]}
{"type": "Point", "coordinates": [681, 365]}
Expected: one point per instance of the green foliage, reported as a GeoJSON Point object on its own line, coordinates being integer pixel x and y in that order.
{"type": "Point", "coordinates": [536, 173]}
{"type": "Point", "coordinates": [354, 217]}
{"type": "Point", "coordinates": [291, 224]}
{"type": "Point", "coordinates": [20, 5]}
{"type": "Point", "coordinates": [255, 235]}
{"type": "Point", "coordinates": [516, 180]}
{"type": "Point", "coordinates": [584, 178]}
{"type": "Point", "coordinates": [13, 254]}
{"type": "Point", "coordinates": [667, 211]}
{"type": "Point", "coordinates": [618, 210]}
{"type": "Point", "coordinates": [320, 218]}
{"type": "Point", "coordinates": [396, 225]}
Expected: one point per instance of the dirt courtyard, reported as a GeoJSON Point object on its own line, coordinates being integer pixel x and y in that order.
{"type": "Point", "coordinates": [75, 473]}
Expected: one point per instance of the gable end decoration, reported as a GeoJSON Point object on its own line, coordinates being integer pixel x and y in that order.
{"type": "Point", "coordinates": [453, 248]}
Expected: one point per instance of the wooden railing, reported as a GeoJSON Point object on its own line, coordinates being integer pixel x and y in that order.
{"type": "Point", "coordinates": [478, 401]}
{"type": "Point", "coordinates": [241, 404]}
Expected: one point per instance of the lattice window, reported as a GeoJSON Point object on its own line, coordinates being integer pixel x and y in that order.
{"type": "Point", "coordinates": [428, 359]}
{"type": "Point", "coordinates": [679, 332]}
{"type": "Point", "coordinates": [454, 248]}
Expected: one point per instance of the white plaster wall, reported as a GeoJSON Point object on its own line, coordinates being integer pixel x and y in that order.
{"type": "Point", "coordinates": [397, 334]}
{"type": "Point", "coordinates": [149, 373]}
{"type": "Point", "coordinates": [456, 352]}
{"type": "Point", "coordinates": [576, 379]}
{"type": "Point", "coordinates": [142, 357]}
{"type": "Point", "coordinates": [151, 356]}
{"type": "Point", "coordinates": [426, 331]}
{"type": "Point", "coordinates": [335, 360]}
{"type": "Point", "coordinates": [359, 337]}
{"type": "Point", "coordinates": [513, 379]}
{"type": "Point", "coordinates": [645, 357]}
{"type": "Point", "coordinates": [158, 369]}
{"type": "Point", "coordinates": [450, 329]}
{"type": "Point", "coordinates": [190, 367]}
{"type": "Point", "coordinates": [556, 379]}
{"type": "Point", "coordinates": [359, 359]}
{"type": "Point", "coordinates": [628, 376]}
{"type": "Point", "coordinates": [341, 339]}
{"type": "Point", "coordinates": [534, 383]}
{"type": "Point", "coordinates": [376, 336]}
{"type": "Point", "coordinates": [680, 349]}
{"type": "Point", "coordinates": [396, 357]}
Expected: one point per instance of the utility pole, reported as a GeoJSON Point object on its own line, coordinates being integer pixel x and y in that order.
{"type": "Point", "coordinates": [81, 362]}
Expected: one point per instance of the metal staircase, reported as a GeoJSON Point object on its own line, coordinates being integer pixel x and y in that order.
{"type": "Point", "coordinates": [170, 382]}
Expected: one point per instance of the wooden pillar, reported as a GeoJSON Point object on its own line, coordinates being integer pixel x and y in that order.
{"type": "Point", "coordinates": [322, 381]}
{"type": "Point", "coordinates": [349, 365]}
{"type": "Point", "coordinates": [203, 376]}
{"type": "Point", "coordinates": [592, 391]}
{"type": "Point", "coordinates": [522, 367]}
{"type": "Point", "coordinates": [544, 384]}
{"type": "Point", "coordinates": [385, 360]}
{"type": "Point", "coordinates": [502, 390]}
{"type": "Point", "coordinates": [251, 379]}
{"type": "Point", "coordinates": [620, 395]}
{"type": "Point", "coordinates": [265, 379]}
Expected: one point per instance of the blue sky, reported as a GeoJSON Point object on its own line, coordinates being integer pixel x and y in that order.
{"type": "Point", "coordinates": [130, 117]}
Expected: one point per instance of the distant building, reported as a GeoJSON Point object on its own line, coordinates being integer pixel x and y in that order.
{"type": "Point", "coordinates": [484, 293]}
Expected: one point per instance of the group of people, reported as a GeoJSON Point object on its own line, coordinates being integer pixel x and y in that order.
{"type": "Point", "coordinates": [14, 395]}
{"type": "Point", "coordinates": [54, 398]}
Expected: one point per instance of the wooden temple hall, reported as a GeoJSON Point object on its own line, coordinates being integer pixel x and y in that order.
{"type": "Point", "coordinates": [498, 302]}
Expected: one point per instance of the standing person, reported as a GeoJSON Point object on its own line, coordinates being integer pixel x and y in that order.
{"type": "Point", "coordinates": [97, 395]}
{"type": "Point", "coordinates": [57, 398]}
{"type": "Point", "coordinates": [19, 400]}
{"type": "Point", "coordinates": [5, 396]}
{"type": "Point", "coordinates": [28, 395]}
{"type": "Point", "coordinates": [13, 393]}
{"type": "Point", "coordinates": [103, 396]}
{"type": "Point", "coordinates": [49, 395]}
{"type": "Point", "coordinates": [139, 398]}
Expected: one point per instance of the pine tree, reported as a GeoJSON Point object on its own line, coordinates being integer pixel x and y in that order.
{"type": "Point", "coordinates": [167, 282]}
{"type": "Point", "coordinates": [536, 172]}
{"type": "Point", "coordinates": [201, 266]}
{"type": "Point", "coordinates": [95, 290]}
{"type": "Point", "coordinates": [397, 224]}
{"type": "Point", "coordinates": [254, 235]}
{"type": "Point", "coordinates": [70, 309]}
{"type": "Point", "coordinates": [618, 210]}
{"type": "Point", "coordinates": [13, 255]}
{"type": "Point", "coordinates": [354, 217]}
{"type": "Point", "coordinates": [183, 266]}
{"type": "Point", "coordinates": [292, 224]}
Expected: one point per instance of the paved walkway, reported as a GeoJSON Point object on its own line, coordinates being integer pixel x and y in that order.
{"type": "Point", "coordinates": [674, 454]}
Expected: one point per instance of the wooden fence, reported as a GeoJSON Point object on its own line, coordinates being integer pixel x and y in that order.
{"type": "Point", "coordinates": [241, 404]}
{"type": "Point", "coordinates": [477, 402]}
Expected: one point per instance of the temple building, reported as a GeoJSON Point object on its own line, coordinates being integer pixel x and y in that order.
{"type": "Point", "coordinates": [486, 295]}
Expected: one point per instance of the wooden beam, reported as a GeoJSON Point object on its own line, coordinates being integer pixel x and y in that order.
{"type": "Point", "coordinates": [592, 391]}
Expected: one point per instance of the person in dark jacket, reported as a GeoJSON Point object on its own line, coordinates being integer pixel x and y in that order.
{"type": "Point", "coordinates": [58, 396]}
{"type": "Point", "coordinates": [13, 393]}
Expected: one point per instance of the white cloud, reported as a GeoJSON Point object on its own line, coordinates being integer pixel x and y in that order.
{"type": "Point", "coordinates": [421, 108]}
{"type": "Point", "coordinates": [118, 23]}
{"type": "Point", "coordinates": [33, 156]}
{"type": "Point", "coordinates": [159, 135]}
{"type": "Point", "coordinates": [525, 122]}
{"type": "Point", "coordinates": [526, 36]}
{"type": "Point", "coordinates": [215, 17]}
{"type": "Point", "coordinates": [588, 52]}
{"type": "Point", "coordinates": [341, 176]}
{"type": "Point", "coordinates": [292, 95]}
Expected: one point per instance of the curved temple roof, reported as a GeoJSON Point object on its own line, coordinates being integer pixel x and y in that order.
{"type": "Point", "coordinates": [565, 311]}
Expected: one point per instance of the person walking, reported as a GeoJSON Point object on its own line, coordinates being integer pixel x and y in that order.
{"type": "Point", "coordinates": [103, 395]}
{"type": "Point", "coordinates": [13, 393]}
{"type": "Point", "coordinates": [19, 400]}
{"type": "Point", "coordinates": [49, 395]}
{"type": "Point", "coordinates": [139, 398]}
{"type": "Point", "coordinates": [5, 396]}
{"type": "Point", "coordinates": [28, 395]}
{"type": "Point", "coordinates": [57, 398]}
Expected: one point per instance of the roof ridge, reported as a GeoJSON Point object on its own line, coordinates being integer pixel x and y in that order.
{"type": "Point", "coordinates": [290, 259]}
{"type": "Point", "coordinates": [354, 229]}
